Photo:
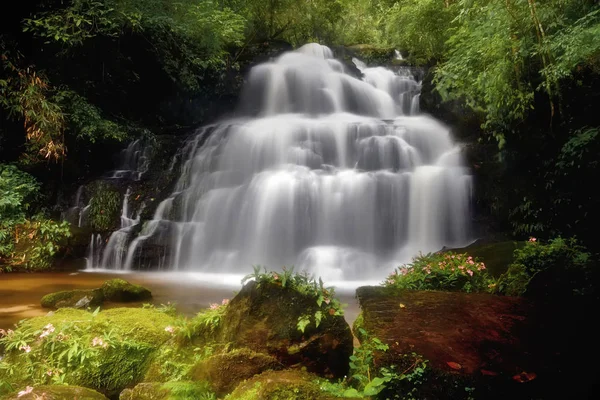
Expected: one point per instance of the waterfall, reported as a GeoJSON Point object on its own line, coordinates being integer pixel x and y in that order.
{"type": "Point", "coordinates": [338, 176]}
{"type": "Point", "coordinates": [134, 161]}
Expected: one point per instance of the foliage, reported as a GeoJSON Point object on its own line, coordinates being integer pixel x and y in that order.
{"type": "Point", "coordinates": [104, 206]}
{"type": "Point", "coordinates": [365, 381]}
{"type": "Point", "coordinates": [306, 285]}
{"type": "Point", "coordinates": [535, 257]}
{"type": "Point", "coordinates": [442, 271]}
{"type": "Point", "coordinates": [25, 243]}
{"type": "Point", "coordinates": [17, 191]}
{"type": "Point", "coordinates": [419, 27]}
{"type": "Point", "coordinates": [37, 241]}
{"type": "Point", "coordinates": [26, 94]}
{"type": "Point", "coordinates": [205, 323]}
{"type": "Point", "coordinates": [102, 350]}
{"type": "Point", "coordinates": [497, 68]}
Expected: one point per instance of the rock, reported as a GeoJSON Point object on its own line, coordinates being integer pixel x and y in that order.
{"type": "Point", "coordinates": [166, 391]}
{"type": "Point", "coordinates": [279, 385]}
{"type": "Point", "coordinates": [120, 290]}
{"type": "Point", "coordinates": [56, 392]}
{"type": "Point", "coordinates": [73, 299]}
{"type": "Point", "coordinates": [225, 371]}
{"type": "Point", "coordinates": [264, 318]}
{"type": "Point", "coordinates": [468, 329]}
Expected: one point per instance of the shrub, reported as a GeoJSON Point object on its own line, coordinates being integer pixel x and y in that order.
{"type": "Point", "coordinates": [442, 271]}
{"type": "Point", "coordinates": [564, 257]}
{"type": "Point", "coordinates": [104, 207]}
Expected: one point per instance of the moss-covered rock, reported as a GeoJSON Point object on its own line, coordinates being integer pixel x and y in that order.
{"type": "Point", "coordinates": [73, 299]}
{"type": "Point", "coordinates": [280, 385]}
{"type": "Point", "coordinates": [56, 392]}
{"type": "Point", "coordinates": [225, 371]}
{"type": "Point", "coordinates": [264, 318]}
{"type": "Point", "coordinates": [119, 290]}
{"type": "Point", "coordinates": [167, 391]}
{"type": "Point", "coordinates": [107, 351]}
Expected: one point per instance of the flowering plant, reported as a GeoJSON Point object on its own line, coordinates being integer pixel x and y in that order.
{"type": "Point", "coordinates": [442, 271]}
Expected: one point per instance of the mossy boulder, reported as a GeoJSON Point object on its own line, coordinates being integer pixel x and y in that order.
{"type": "Point", "coordinates": [225, 371]}
{"type": "Point", "coordinates": [119, 290]}
{"type": "Point", "coordinates": [56, 392]}
{"type": "Point", "coordinates": [73, 299]}
{"type": "Point", "coordinates": [113, 348]}
{"type": "Point", "coordinates": [166, 391]}
{"type": "Point", "coordinates": [280, 385]}
{"type": "Point", "coordinates": [264, 318]}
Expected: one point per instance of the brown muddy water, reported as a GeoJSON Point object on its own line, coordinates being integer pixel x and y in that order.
{"type": "Point", "coordinates": [20, 294]}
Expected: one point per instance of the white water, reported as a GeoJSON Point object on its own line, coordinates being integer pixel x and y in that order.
{"type": "Point", "coordinates": [333, 175]}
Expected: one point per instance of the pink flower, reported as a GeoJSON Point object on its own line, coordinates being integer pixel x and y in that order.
{"type": "Point", "coordinates": [389, 282]}
{"type": "Point", "coordinates": [532, 239]}
{"type": "Point", "coordinates": [48, 329]}
{"type": "Point", "coordinates": [2, 332]}
{"type": "Point", "coordinates": [214, 306]}
{"type": "Point", "coordinates": [327, 301]}
{"type": "Point", "coordinates": [49, 372]}
{"type": "Point", "coordinates": [170, 329]}
{"type": "Point", "coordinates": [275, 276]}
{"type": "Point", "coordinates": [470, 272]}
{"type": "Point", "coordinates": [27, 390]}
{"type": "Point", "coordinates": [225, 302]}
{"type": "Point", "coordinates": [461, 267]}
{"type": "Point", "coordinates": [99, 342]}
{"type": "Point", "coordinates": [26, 349]}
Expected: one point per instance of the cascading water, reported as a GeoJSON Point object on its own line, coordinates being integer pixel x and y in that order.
{"type": "Point", "coordinates": [334, 175]}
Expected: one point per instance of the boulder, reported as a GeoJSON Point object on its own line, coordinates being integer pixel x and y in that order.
{"type": "Point", "coordinates": [279, 385]}
{"type": "Point", "coordinates": [166, 391]}
{"type": "Point", "coordinates": [119, 290]}
{"type": "Point", "coordinates": [73, 299]}
{"type": "Point", "coordinates": [56, 392]}
{"type": "Point", "coordinates": [225, 371]}
{"type": "Point", "coordinates": [264, 318]}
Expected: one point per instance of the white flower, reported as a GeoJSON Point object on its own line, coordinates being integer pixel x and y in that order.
{"type": "Point", "coordinates": [170, 329]}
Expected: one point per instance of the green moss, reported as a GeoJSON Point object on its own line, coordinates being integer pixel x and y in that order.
{"type": "Point", "coordinates": [71, 298]}
{"type": "Point", "coordinates": [120, 290]}
{"type": "Point", "coordinates": [225, 371]}
{"type": "Point", "coordinates": [56, 392]}
{"type": "Point", "coordinates": [279, 385]}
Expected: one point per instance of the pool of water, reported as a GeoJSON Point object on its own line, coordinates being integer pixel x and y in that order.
{"type": "Point", "coordinates": [20, 294]}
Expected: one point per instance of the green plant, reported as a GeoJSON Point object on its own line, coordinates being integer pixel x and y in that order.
{"type": "Point", "coordinates": [306, 285]}
{"type": "Point", "coordinates": [37, 241]}
{"type": "Point", "coordinates": [365, 380]}
{"type": "Point", "coordinates": [558, 255]}
{"type": "Point", "coordinates": [442, 271]}
{"type": "Point", "coordinates": [104, 207]}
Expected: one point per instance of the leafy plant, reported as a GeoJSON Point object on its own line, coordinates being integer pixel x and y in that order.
{"type": "Point", "coordinates": [365, 380]}
{"type": "Point", "coordinates": [557, 254]}
{"type": "Point", "coordinates": [442, 271]}
{"type": "Point", "coordinates": [104, 207]}
{"type": "Point", "coordinates": [304, 284]}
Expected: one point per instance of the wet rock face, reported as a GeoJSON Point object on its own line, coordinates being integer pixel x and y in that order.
{"type": "Point", "coordinates": [52, 392]}
{"type": "Point", "coordinates": [264, 318]}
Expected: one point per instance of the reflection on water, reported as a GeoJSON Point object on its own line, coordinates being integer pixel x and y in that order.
{"type": "Point", "coordinates": [20, 294]}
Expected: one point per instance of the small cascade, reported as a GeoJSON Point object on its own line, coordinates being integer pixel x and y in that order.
{"type": "Point", "coordinates": [94, 251]}
{"type": "Point", "coordinates": [340, 177]}
{"type": "Point", "coordinates": [77, 214]}
{"type": "Point", "coordinates": [133, 161]}
{"type": "Point", "coordinates": [115, 250]}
